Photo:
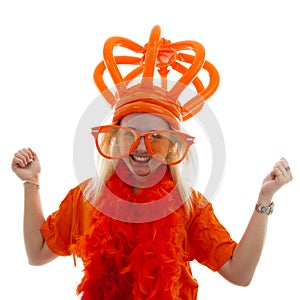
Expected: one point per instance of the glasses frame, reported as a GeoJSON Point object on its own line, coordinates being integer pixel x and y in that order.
{"type": "Point", "coordinates": [137, 135]}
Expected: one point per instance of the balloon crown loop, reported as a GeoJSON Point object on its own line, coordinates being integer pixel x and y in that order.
{"type": "Point", "coordinates": [161, 56]}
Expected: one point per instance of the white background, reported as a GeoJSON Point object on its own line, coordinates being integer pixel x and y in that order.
{"type": "Point", "coordinates": [49, 50]}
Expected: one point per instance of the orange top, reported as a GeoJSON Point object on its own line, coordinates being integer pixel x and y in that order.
{"type": "Point", "coordinates": [201, 237]}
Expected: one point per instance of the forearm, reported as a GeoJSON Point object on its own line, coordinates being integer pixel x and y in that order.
{"type": "Point", "coordinates": [33, 220]}
{"type": "Point", "coordinates": [248, 252]}
{"type": "Point", "coordinates": [241, 267]}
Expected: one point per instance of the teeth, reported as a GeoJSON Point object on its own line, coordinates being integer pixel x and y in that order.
{"type": "Point", "coordinates": [141, 158]}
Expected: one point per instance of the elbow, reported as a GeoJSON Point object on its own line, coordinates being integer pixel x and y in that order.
{"type": "Point", "coordinates": [238, 278]}
{"type": "Point", "coordinates": [40, 260]}
{"type": "Point", "coordinates": [36, 262]}
{"type": "Point", "coordinates": [243, 282]}
{"type": "Point", "coordinates": [237, 274]}
{"type": "Point", "coordinates": [40, 257]}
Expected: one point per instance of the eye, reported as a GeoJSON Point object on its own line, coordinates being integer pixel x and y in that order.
{"type": "Point", "coordinates": [156, 136]}
{"type": "Point", "coordinates": [128, 133]}
{"type": "Point", "coordinates": [125, 134]}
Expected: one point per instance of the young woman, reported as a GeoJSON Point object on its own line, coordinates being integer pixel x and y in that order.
{"type": "Point", "coordinates": [138, 224]}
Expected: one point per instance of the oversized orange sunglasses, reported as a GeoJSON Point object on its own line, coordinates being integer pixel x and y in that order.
{"type": "Point", "coordinates": [166, 146]}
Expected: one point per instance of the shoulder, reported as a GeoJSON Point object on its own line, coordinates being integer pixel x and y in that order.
{"type": "Point", "coordinates": [198, 201]}
{"type": "Point", "coordinates": [79, 189]}
{"type": "Point", "coordinates": [201, 209]}
{"type": "Point", "coordinates": [74, 197]}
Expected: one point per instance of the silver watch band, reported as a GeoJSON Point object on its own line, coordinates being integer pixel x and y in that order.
{"type": "Point", "coordinates": [268, 210]}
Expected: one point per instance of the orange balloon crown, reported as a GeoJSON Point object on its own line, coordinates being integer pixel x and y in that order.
{"type": "Point", "coordinates": [161, 56]}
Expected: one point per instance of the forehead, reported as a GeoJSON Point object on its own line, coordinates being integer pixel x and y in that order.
{"type": "Point", "coordinates": [144, 122]}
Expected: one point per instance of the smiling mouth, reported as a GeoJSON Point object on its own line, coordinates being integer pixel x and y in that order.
{"type": "Point", "coordinates": [141, 159]}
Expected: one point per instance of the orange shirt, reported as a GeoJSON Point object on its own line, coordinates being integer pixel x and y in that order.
{"type": "Point", "coordinates": [204, 239]}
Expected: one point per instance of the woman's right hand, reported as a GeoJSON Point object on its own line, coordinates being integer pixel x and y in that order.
{"type": "Point", "coordinates": [26, 165]}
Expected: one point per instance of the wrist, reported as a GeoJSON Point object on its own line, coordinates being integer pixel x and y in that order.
{"type": "Point", "coordinates": [264, 200]}
{"type": "Point", "coordinates": [34, 182]}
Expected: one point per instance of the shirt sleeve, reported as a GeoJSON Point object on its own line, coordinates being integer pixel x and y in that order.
{"type": "Point", "coordinates": [209, 241]}
{"type": "Point", "coordinates": [65, 226]}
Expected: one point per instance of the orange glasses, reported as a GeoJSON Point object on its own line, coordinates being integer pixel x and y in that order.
{"type": "Point", "coordinates": [166, 146]}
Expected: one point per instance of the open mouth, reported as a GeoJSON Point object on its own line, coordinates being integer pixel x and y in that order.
{"type": "Point", "coordinates": [140, 159]}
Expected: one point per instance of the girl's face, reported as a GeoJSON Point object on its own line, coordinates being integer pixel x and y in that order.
{"type": "Point", "coordinates": [140, 162]}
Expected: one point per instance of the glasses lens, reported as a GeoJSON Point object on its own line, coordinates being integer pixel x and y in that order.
{"type": "Point", "coordinates": [115, 142]}
{"type": "Point", "coordinates": [169, 146]}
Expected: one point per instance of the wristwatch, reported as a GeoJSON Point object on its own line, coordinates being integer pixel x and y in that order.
{"type": "Point", "coordinates": [268, 210]}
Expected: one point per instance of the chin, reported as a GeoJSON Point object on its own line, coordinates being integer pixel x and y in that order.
{"type": "Point", "coordinates": [141, 171]}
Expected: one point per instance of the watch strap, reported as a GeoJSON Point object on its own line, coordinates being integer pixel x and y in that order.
{"type": "Point", "coordinates": [268, 210]}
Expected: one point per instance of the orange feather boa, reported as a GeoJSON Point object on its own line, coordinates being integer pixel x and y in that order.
{"type": "Point", "coordinates": [134, 260]}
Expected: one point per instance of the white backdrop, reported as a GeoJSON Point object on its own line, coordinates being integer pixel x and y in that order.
{"type": "Point", "coordinates": [48, 54]}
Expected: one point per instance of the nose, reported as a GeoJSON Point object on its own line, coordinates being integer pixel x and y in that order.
{"type": "Point", "coordinates": [141, 147]}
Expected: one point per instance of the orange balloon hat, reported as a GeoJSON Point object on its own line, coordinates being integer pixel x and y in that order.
{"type": "Point", "coordinates": [138, 90]}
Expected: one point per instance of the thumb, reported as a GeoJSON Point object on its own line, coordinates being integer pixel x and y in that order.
{"type": "Point", "coordinates": [34, 155]}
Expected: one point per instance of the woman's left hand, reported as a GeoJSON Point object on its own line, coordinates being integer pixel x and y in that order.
{"type": "Point", "coordinates": [279, 176]}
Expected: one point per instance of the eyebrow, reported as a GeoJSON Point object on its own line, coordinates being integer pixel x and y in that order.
{"type": "Point", "coordinates": [152, 130]}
